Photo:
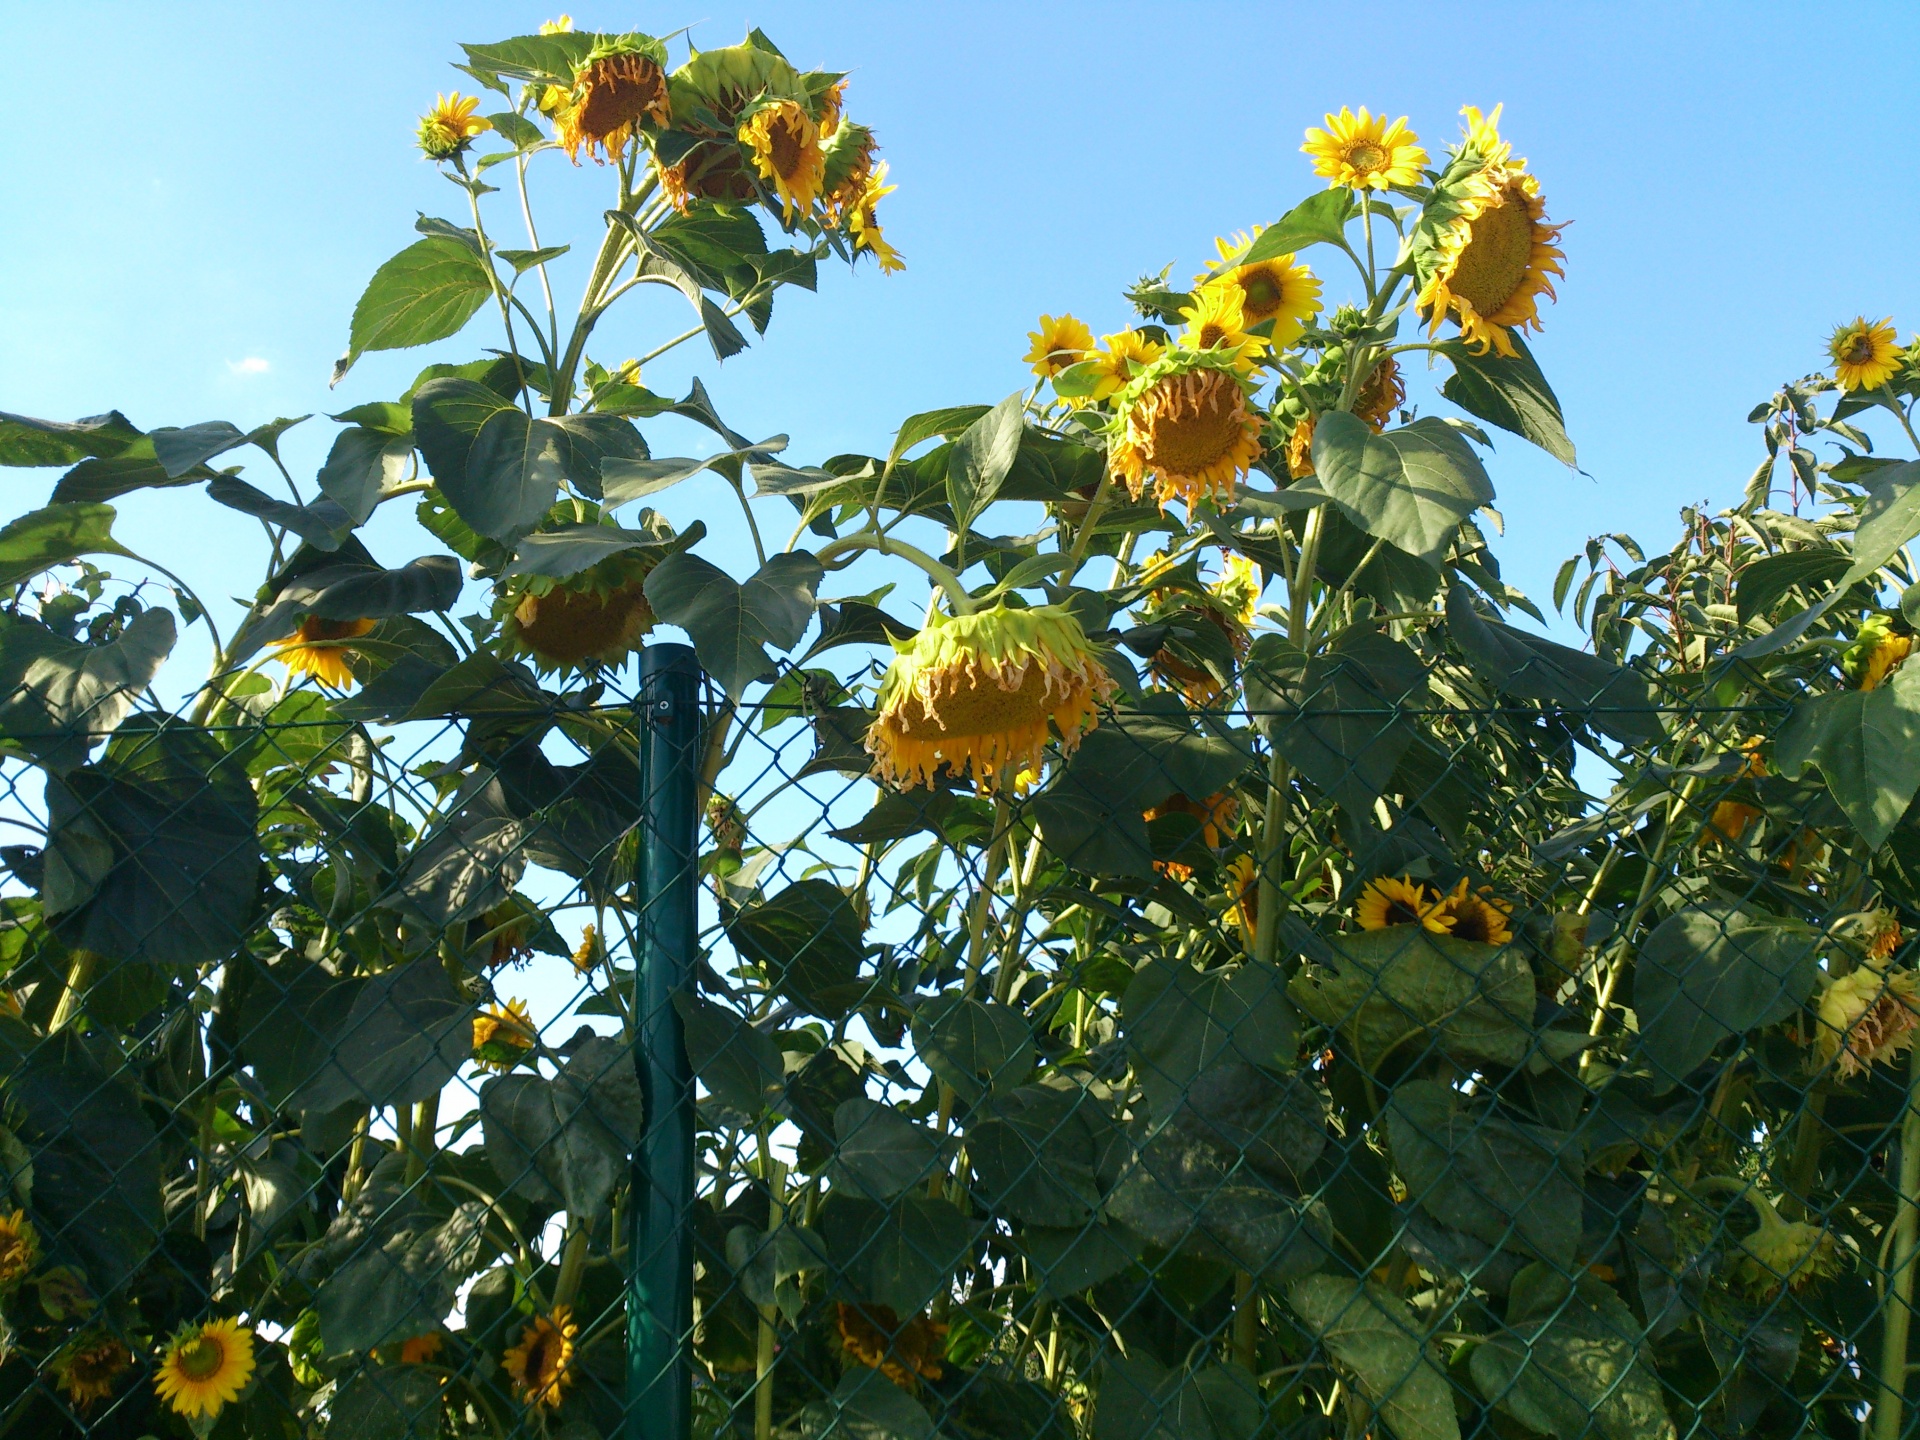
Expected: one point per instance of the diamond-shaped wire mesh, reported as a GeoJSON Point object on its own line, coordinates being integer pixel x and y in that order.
{"type": "Point", "coordinates": [1357, 1063]}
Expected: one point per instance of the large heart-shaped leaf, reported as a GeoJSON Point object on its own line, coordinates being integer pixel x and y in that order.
{"type": "Point", "coordinates": [425, 293]}
{"type": "Point", "coordinates": [1378, 1341]}
{"type": "Point", "coordinates": [53, 535]}
{"type": "Point", "coordinates": [1410, 487]}
{"type": "Point", "coordinates": [1866, 745]}
{"type": "Point", "coordinates": [57, 696]}
{"type": "Point", "coordinates": [499, 469]}
{"type": "Point", "coordinates": [731, 623]}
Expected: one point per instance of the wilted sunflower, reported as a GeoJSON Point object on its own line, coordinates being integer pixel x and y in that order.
{"type": "Point", "coordinates": [504, 930]}
{"type": "Point", "coordinates": [1300, 450]}
{"type": "Point", "coordinates": [1886, 937]}
{"type": "Point", "coordinates": [1401, 902]}
{"type": "Point", "coordinates": [617, 89]}
{"type": "Point", "coordinates": [1383, 393]}
{"type": "Point", "coordinates": [1867, 1015]}
{"type": "Point", "coordinates": [784, 143]}
{"type": "Point", "coordinates": [978, 693]}
{"type": "Point", "coordinates": [1115, 360]}
{"type": "Point", "coordinates": [1781, 1253]}
{"type": "Point", "coordinates": [19, 1249]}
{"type": "Point", "coordinates": [1238, 589]}
{"type": "Point", "coordinates": [1185, 421]}
{"type": "Point", "coordinates": [1864, 354]}
{"type": "Point", "coordinates": [1215, 322]}
{"type": "Point", "coordinates": [584, 622]}
{"type": "Point", "coordinates": [503, 1036]}
{"type": "Point", "coordinates": [865, 228]}
{"type": "Point", "coordinates": [1875, 652]}
{"type": "Point", "coordinates": [90, 1367]}
{"type": "Point", "coordinates": [205, 1366]}
{"type": "Point", "coordinates": [450, 126]}
{"type": "Point", "coordinates": [847, 161]}
{"type": "Point", "coordinates": [1485, 917]}
{"type": "Point", "coordinates": [1216, 815]}
{"type": "Point", "coordinates": [874, 1336]}
{"type": "Point", "coordinates": [1274, 289]}
{"type": "Point", "coordinates": [1365, 152]}
{"type": "Point", "coordinates": [320, 648]}
{"type": "Point", "coordinates": [1058, 343]}
{"type": "Point", "coordinates": [1243, 890]}
{"type": "Point", "coordinates": [540, 1367]}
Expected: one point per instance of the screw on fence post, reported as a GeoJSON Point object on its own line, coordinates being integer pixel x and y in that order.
{"type": "Point", "coordinates": [660, 1284]}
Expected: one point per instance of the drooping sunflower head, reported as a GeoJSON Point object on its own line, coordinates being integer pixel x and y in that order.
{"type": "Point", "coordinates": [1243, 893]}
{"type": "Point", "coordinates": [504, 931]}
{"type": "Point", "coordinates": [450, 126]}
{"type": "Point", "coordinates": [1485, 917]}
{"type": "Point", "coordinates": [583, 623]}
{"type": "Point", "coordinates": [864, 226]}
{"type": "Point", "coordinates": [1239, 589]}
{"type": "Point", "coordinates": [1401, 902]}
{"type": "Point", "coordinates": [1216, 322]}
{"type": "Point", "coordinates": [90, 1367]}
{"type": "Point", "coordinates": [1885, 937]}
{"type": "Point", "coordinates": [1060, 342]}
{"type": "Point", "coordinates": [1782, 1254]}
{"type": "Point", "coordinates": [983, 694]}
{"type": "Point", "coordinates": [1185, 422]}
{"type": "Point", "coordinates": [1275, 289]}
{"type": "Point", "coordinates": [320, 648]}
{"type": "Point", "coordinates": [589, 952]}
{"type": "Point", "coordinates": [1365, 152]}
{"type": "Point", "coordinates": [19, 1249]}
{"type": "Point", "coordinates": [903, 1351]}
{"type": "Point", "coordinates": [847, 160]}
{"type": "Point", "coordinates": [709, 96]}
{"type": "Point", "coordinates": [783, 142]}
{"type": "Point", "coordinates": [1864, 354]}
{"type": "Point", "coordinates": [1866, 1015]}
{"type": "Point", "coordinates": [1877, 650]}
{"type": "Point", "coordinates": [1118, 359]}
{"type": "Point", "coordinates": [205, 1367]}
{"type": "Point", "coordinates": [504, 1035]}
{"type": "Point", "coordinates": [1300, 449]}
{"type": "Point", "coordinates": [540, 1367]}
{"type": "Point", "coordinates": [1384, 392]}
{"type": "Point", "coordinates": [619, 89]}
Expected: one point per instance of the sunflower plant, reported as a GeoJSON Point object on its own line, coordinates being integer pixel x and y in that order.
{"type": "Point", "coordinates": [1179, 954]}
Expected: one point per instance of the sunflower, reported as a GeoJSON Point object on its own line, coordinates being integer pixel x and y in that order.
{"type": "Point", "coordinates": [1185, 421]}
{"type": "Point", "coordinates": [1215, 321]}
{"type": "Point", "coordinates": [1782, 1254]}
{"type": "Point", "coordinates": [1867, 1015]}
{"type": "Point", "coordinates": [1494, 253]}
{"type": "Point", "coordinates": [1216, 815]}
{"type": "Point", "coordinates": [1057, 344]}
{"type": "Point", "coordinates": [784, 143]}
{"type": "Point", "coordinates": [1401, 902]}
{"type": "Point", "coordinates": [874, 1336]}
{"type": "Point", "coordinates": [1115, 361]}
{"type": "Point", "coordinates": [541, 1365]}
{"type": "Point", "coordinates": [980, 691]}
{"type": "Point", "coordinates": [1864, 354]}
{"type": "Point", "coordinates": [422, 1349]}
{"type": "Point", "coordinates": [1383, 393]}
{"type": "Point", "coordinates": [830, 108]}
{"type": "Point", "coordinates": [1300, 450]}
{"type": "Point", "coordinates": [1243, 891]}
{"type": "Point", "coordinates": [1484, 917]}
{"type": "Point", "coordinates": [90, 1367]}
{"type": "Point", "coordinates": [1238, 589]}
{"type": "Point", "coordinates": [865, 228]}
{"type": "Point", "coordinates": [503, 1036]}
{"type": "Point", "coordinates": [205, 1366]}
{"type": "Point", "coordinates": [1364, 152]}
{"type": "Point", "coordinates": [589, 952]}
{"type": "Point", "coordinates": [582, 623]}
{"type": "Point", "coordinates": [619, 88]}
{"type": "Point", "coordinates": [1875, 652]}
{"type": "Point", "coordinates": [847, 162]}
{"type": "Point", "coordinates": [1275, 289]}
{"type": "Point", "coordinates": [709, 96]}
{"type": "Point", "coordinates": [1886, 938]}
{"type": "Point", "coordinates": [19, 1249]}
{"type": "Point", "coordinates": [450, 126]}
{"type": "Point", "coordinates": [320, 649]}
{"type": "Point", "coordinates": [504, 930]}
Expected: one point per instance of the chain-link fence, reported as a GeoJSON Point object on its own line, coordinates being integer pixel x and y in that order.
{"type": "Point", "coordinates": [451, 1063]}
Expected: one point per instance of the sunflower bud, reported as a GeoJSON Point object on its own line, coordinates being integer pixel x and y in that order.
{"type": "Point", "coordinates": [449, 127]}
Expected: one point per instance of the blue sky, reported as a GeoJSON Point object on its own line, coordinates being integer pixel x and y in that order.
{"type": "Point", "coordinates": [205, 188]}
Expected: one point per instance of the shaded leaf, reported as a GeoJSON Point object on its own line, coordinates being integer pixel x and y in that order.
{"type": "Point", "coordinates": [58, 697]}
{"type": "Point", "coordinates": [1375, 1338]}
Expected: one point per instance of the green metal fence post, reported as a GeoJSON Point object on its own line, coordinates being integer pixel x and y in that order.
{"type": "Point", "coordinates": [660, 1285]}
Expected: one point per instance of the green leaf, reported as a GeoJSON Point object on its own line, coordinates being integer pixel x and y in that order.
{"type": "Point", "coordinates": [1704, 974]}
{"type": "Point", "coordinates": [386, 1039]}
{"type": "Point", "coordinates": [499, 470]}
{"type": "Point", "coordinates": [1514, 1186]}
{"type": "Point", "coordinates": [1075, 1259]}
{"type": "Point", "coordinates": [809, 941]}
{"type": "Point", "coordinates": [1142, 1400]}
{"type": "Point", "coordinates": [900, 1255]}
{"type": "Point", "coordinates": [566, 1141]}
{"type": "Point", "coordinates": [1045, 1154]}
{"type": "Point", "coordinates": [1866, 745]}
{"type": "Point", "coordinates": [54, 535]}
{"type": "Point", "coordinates": [1378, 1341]}
{"type": "Point", "coordinates": [28, 442]}
{"type": "Point", "coordinates": [949, 422]}
{"type": "Point", "coordinates": [973, 1046]}
{"type": "Point", "coordinates": [866, 1405]}
{"type": "Point", "coordinates": [981, 458]}
{"type": "Point", "coordinates": [1889, 518]}
{"type": "Point", "coordinates": [152, 856]}
{"type": "Point", "coordinates": [1340, 717]}
{"type": "Point", "coordinates": [880, 1152]}
{"type": "Point", "coordinates": [739, 1065]}
{"type": "Point", "coordinates": [1759, 585]}
{"type": "Point", "coordinates": [1388, 986]}
{"type": "Point", "coordinates": [361, 465]}
{"type": "Point", "coordinates": [730, 622]}
{"type": "Point", "coordinates": [186, 448]}
{"type": "Point", "coordinates": [524, 260]}
{"type": "Point", "coordinates": [1570, 1362]}
{"type": "Point", "coordinates": [569, 549]}
{"type": "Point", "coordinates": [1508, 391]}
{"type": "Point", "coordinates": [1182, 1021]}
{"type": "Point", "coordinates": [1318, 220]}
{"type": "Point", "coordinates": [625, 480]}
{"type": "Point", "coordinates": [425, 293]}
{"type": "Point", "coordinates": [58, 697]}
{"type": "Point", "coordinates": [404, 1284]}
{"type": "Point", "coordinates": [322, 524]}
{"type": "Point", "coordinates": [540, 59]}
{"type": "Point", "coordinates": [1410, 487]}
{"type": "Point", "coordinates": [135, 468]}
{"type": "Point", "coordinates": [432, 582]}
{"type": "Point", "coordinates": [392, 1402]}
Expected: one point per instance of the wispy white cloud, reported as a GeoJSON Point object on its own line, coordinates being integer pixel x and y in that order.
{"type": "Point", "coordinates": [252, 365]}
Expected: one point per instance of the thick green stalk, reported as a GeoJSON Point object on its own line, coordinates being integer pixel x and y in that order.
{"type": "Point", "coordinates": [1896, 1291]}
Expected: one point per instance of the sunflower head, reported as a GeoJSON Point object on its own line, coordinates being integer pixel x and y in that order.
{"type": "Point", "coordinates": [1060, 342]}
{"type": "Point", "coordinates": [1485, 917]}
{"type": "Point", "coordinates": [320, 647]}
{"type": "Point", "coordinates": [1864, 354]}
{"type": "Point", "coordinates": [1365, 152]}
{"type": "Point", "coordinates": [1243, 894]}
{"type": "Point", "coordinates": [1120, 357]}
{"type": "Point", "coordinates": [583, 623]}
{"type": "Point", "coordinates": [589, 952]}
{"type": "Point", "coordinates": [1782, 1254]}
{"type": "Point", "coordinates": [1402, 902]}
{"type": "Point", "coordinates": [1276, 289]}
{"type": "Point", "coordinates": [864, 227]}
{"type": "Point", "coordinates": [1866, 1015]}
{"type": "Point", "coordinates": [708, 97]}
{"type": "Point", "coordinates": [1184, 421]}
{"type": "Point", "coordinates": [1877, 650]}
{"type": "Point", "coordinates": [1300, 449]}
{"type": "Point", "coordinates": [19, 1249]}
{"type": "Point", "coordinates": [1384, 392]}
{"type": "Point", "coordinates": [847, 161]}
{"type": "Point", "coordinates": [1216, 321]}
{"type": "Point", "coordinates": [450, 126]}
{"type": "Point", "coordinates": [783, 142]}
{"type": "Point", "coordinates": [540, 1367]}
{"type": "Point", "coordinates": [503, 1035]}
{"type": "Point", "coordinates": [1238, 589]}
{"type": "Point", "coordinates": [504, 930]}
{"type": "Point", "coordinates": [205, 1367]}
{"type": "Point", "coordinates": [90, 1366]}
{"type": "Point", "coordinates": [984, 692]}
{"type": "Point", "coordinates": [876, 1337]}
{"type": "Point", "coordinates": [618, 90]}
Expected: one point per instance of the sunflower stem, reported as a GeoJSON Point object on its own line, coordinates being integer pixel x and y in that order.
{"type": "Point", "coordinates": [1896, 1302]}
{"type": "Point", "coordinates": [942, 575]}
{"type": "Point", "coordinates": [1893, 404]}
{"type": "Point", "coordinates": [79, 980]}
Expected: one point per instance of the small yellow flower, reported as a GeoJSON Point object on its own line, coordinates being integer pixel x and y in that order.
{"type": "Point", "coordinates": [1275, 289]}
{"type": "Point", "coordinates": [1238, 589]}
{"type": "Point", "coordinates": [1864, 354]}
{"type": "Point", "coordinates": [1365, 152]}
{"type": "Point", "coordinates": [865, 228]}
{"type": "Point", "coordinates": [1483, 917]}
{"type": "Point", "coordinates": [1057, 344]}
{"type": "Point", "coordinates": [450, 126]}
{"type": "Point", "coordinates": [503, 1036]}
{"type": "Point", "coordinates": [784, 142]}
{"type": "Point", "coordinates": [1215, 321]}
{"type": "Point", "coordinates": [588, 952]}
{"type": "Point", "coordinates": [540, 1367]}
{"type": "Point", "coordinates": [320, 649]}
{"type": "Point", "coordinates": [205, 1366]}
{"type": "Point", "coordinates": [19, 1249]}
{"type": "Point", "coordinates": [1867, 1015]}
{"type": "Point", "coordinates": [562, 26]}
{"type": "Point", "coordinates": [1401, 902]}
{"type": "Point", "coordinates": [1114, 363]}
{"type": "Point", "coordinates": [1300, 450]}
{"type": "Point", "coordinates": [1383, 393]}
{"type": "Point", "coordinates": [90, 1367]}
{"type": "Point", "coordinates": [1243, 887]}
